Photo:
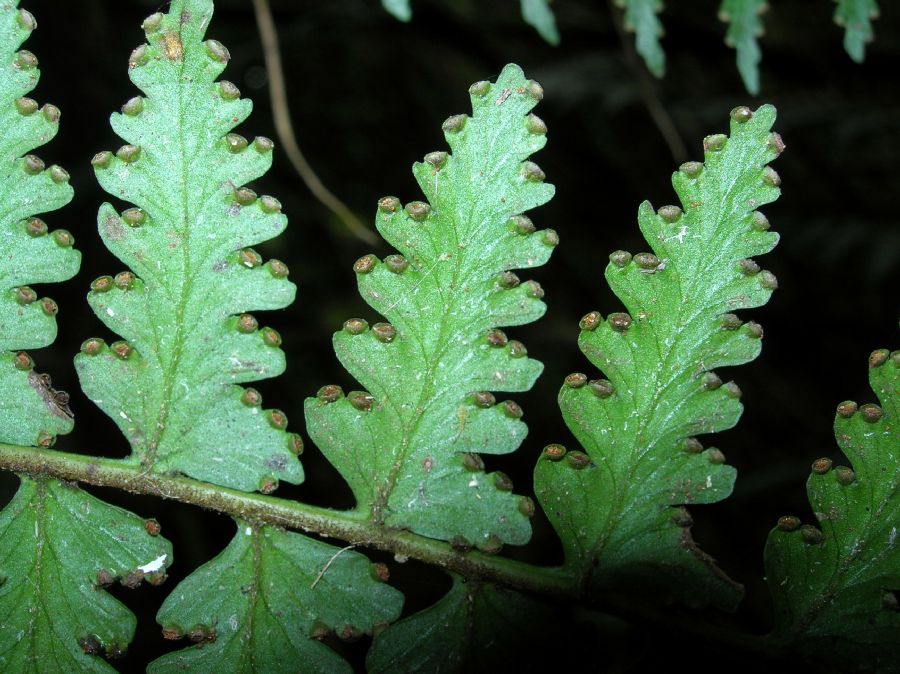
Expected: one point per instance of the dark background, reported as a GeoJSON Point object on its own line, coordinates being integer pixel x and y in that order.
{"type": "Point", "coordinates": [368, 95]}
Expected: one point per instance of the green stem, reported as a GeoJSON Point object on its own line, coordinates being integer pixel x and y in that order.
{"type": "Point", "coordinates": [348, 526]}
{"type": "Point", "coordinates": [280, 512]}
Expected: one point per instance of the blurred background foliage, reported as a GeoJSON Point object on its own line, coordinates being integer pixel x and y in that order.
{"type": "Point", "coordinates": [368, 95]}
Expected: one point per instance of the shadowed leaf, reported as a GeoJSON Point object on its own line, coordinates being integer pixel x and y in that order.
{"type": "Point", "coordinates": [640, 19]}
{"type": "Point", "coordinates": [537, 13]}
{"type": "Point", "coordinates": [475, 627]}
{"type": "Point", "coordinates": [744, 27]}
{"type": "Point", "coordinates": [836, 586]}
{"type": "Point", "coordinates": [399, 9]}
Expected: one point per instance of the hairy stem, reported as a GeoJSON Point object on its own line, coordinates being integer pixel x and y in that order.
{"type": "Point", "coordinates": [347, 526]}
{"type": "Point", "coordinates": [350, 527]}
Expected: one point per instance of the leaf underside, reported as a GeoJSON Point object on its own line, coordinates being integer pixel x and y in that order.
{"type": "Point", "coordinates": [58, 544]}
{"type": "Point", "coordinates": [408, 444]}
{"type": "Point", "coordinates": [744, 27]}
{"type": "Point", "coordinates": [538, 15]}
{"type": "Point", "coordinates": [172, 385]}
{"type": "Point", "coordinates": [836, 587]}
{"type": "Point", "coordinates": [640, 19]}
{"type": "Point", "coordinates": [60, 547]}
{"type": "Point", "coordinates": [29, 253]}
{"type": "Point", "coordinates": [268, 600]}
{"type": "Point", "coordinates": [619, 507]}
{"type": "Point", "coordinates": [475, 627]}
{"type": "Point", "coordinates": [856, 18]}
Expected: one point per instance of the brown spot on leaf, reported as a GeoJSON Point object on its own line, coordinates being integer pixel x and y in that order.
{"type": "Point", "coordinates": [57, 401]}
{"type": "Point", "coordinates": [277, 462]}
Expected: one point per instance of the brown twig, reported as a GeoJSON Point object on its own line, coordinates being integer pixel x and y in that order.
{"type": "Point", "coordinates": [285, 130]}
{"type": "Point", "coordinates": [647, 88]}
{"type": "Point", "coordinates": [329, 563]}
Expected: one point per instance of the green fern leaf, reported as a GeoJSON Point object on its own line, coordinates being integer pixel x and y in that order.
{"type": "Point", "coordinates": [172, 385]}
{"type": "Point", "coordinates": [744, 26]}
{"type": "Point", "coordinates": [409, 448]}
{"type": "Point", "coordinates": [267, 601]}
{"type": "Point", "coordinates": [29, 413]}
{"type": "Point", "coordinates": [58, 545]}
{"type": "Point", "coordinates": [856, 18]}
{"type": "Point", "coordinates": [836, 588]}
{"type": "Point", "coordinates": [399, 9]}
{"type": "Point", "coordinates": [537, 14]}
{"type": "Point", "coordinates": [475, 627]}
{"type": "Point", "coordinates": [640, 19]}
{"type": "Point", "coordinates": [61, 546]}
{"type": "Point", "coordinates": [619, 507]}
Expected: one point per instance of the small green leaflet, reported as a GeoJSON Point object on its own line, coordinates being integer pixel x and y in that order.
{"type": "Point", "coordinates": [265, 603]}
{"type": "Point", "coordinates": [744, 26]}
{"type": "Point", "coordinates": [856, 18]}
{"type": "Point", "coordinates": [836, 587]}
{"type": "Point", "coordinates": [409, 444]}
{"type": "Point", "coordinates": [475, 627]}
{"type": "Point", "coordinates": [60, 547]}
{"type": "Point", "coordinates": [619, 507]}
{"type": "Point", "coordinates": [29, 253]}
{"type": "Point", "coordinates": [537, 13]}
{"type": "Point", "coordinates": [172, 384]}
{"type": "Point", "coordinates": [640, 19]}
{"type": "Point", "coordinates": [399, 9]}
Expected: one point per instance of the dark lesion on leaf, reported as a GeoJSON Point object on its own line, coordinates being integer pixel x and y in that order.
{"type": "Point", "coordinates": [277, 462]}
{"type": "Point", "coordinates": [57, 401]}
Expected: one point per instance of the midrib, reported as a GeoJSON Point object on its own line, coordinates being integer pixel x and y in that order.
{"type": "Point", "coordinates": [170, 373]}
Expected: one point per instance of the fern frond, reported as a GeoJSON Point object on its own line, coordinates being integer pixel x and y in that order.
{"type": "Point", "coordinates": [61, 547]}
{"type": "Point", "coordinates": [58, 545]}
{"type": "Point", "coordinates": [640, 19]}
{"type": "Point", "coordinates": [538, 15]}
{"type": "Point", "coordinates": [619, 507]}
{"type": "Point", "coordinates": [29, 409]}
{"type": "Point", "coordinates": [836, 586]}
{"type": "Point", "coordinates": [265, 603]}
{"type": "Point", "coordinates": [475, 627]}
{"type": "Point", "coordinates": [172, 384]}
{"type": "Point", "coordinates": [408, 444]}
{"type": "Point", "coordinates": [856, 18]}
{"type": "Point", "coordinates": [744, 26]}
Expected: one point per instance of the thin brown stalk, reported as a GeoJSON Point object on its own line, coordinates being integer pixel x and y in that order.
{"type": "Point", "coordinates": [285, 130]}
{"type": "Point", "coordinates": [647, 89]}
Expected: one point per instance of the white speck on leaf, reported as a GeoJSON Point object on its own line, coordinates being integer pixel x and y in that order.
{"type": "Point", "coordinates": [155, 565]}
